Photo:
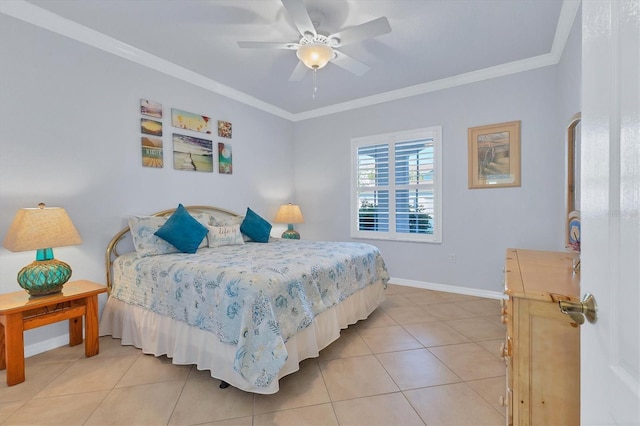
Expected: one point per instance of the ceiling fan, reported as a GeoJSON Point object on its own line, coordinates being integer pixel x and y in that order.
{"type": "Point", "coordinates": [314, 49]}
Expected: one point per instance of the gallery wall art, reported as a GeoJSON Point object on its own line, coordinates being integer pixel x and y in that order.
{"type": "Point", "coordinates": [151, 139]}
{"type": "Point", "coordinates": [190, 121]}
{"type": "Point", "coordinates": [192, 154]}
{"type": "Point", "coordinates": [150, 108]}
{"type": "Point", "coordinates": [224, 129]}
{"type": "Point", "coordinates": [225, 163]}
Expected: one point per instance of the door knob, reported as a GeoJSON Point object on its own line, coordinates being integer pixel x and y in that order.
{"type": "Point", "coordinates": [579, 310]}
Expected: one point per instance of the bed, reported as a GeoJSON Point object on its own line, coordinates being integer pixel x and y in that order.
{"type": "Point", "coordinates": [249, 312]}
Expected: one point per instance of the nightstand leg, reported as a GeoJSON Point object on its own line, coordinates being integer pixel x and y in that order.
{"type": "Point", "coordinates": [91, 340]}
{"type": "Point", "coordinates": [14, 348]}
{"type": "Point", "coordinates": [75, 331]}
{"type": "Point", "coordinates": [3, 361]}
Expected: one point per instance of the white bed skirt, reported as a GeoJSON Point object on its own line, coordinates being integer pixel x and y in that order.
{"type": "Point", "coordinates": [184, 344]}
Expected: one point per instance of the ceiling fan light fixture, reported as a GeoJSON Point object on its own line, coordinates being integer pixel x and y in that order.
{"type": "Point", "coordinates": [315, 55]}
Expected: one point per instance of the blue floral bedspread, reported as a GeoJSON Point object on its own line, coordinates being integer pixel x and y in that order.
{"type": "Point", "coordinates": [255, 296]}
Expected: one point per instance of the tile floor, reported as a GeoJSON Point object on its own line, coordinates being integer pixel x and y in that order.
{"type": "Point", "coordinates": [423, 357]}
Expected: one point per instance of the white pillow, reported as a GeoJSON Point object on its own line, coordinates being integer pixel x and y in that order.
{"type": "Point", "coordinates": [147, 244]}
{"type": "Point", "coordinates": [224, 235]}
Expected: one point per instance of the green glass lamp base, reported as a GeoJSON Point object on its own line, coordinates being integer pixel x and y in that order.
{"type": "Point", "coordinates": [45, 275]}
{"type": "Point", "coordinates": [290, 233]}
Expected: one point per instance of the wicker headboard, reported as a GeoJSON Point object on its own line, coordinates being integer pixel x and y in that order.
{"type": "Point", "coordinates": [112, 248]}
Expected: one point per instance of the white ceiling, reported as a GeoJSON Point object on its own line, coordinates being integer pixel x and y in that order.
{"type": "Point", "coordinates": [433, 44]}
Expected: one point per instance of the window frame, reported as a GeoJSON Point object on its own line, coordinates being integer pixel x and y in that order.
{"type": "Point", "coordinates": [433, 133]}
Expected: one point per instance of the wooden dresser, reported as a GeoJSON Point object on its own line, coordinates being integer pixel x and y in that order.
{"type": "Point", "coordinates": [542, 349]}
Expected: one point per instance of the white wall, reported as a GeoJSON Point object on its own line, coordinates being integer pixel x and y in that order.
{"type": "Point", "coordinates": [479, 224]}
{"type": "Point", "coordinates": [69, 136]}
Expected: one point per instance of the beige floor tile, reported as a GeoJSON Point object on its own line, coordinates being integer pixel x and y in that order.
{"type": "Point", "coordinates": [477, 329]}
{"type": "Point", "coordinates": [203, 401]}
{"type": "Point", "coordinates": [455, 297]}
{"type": "Point", "coordinates": [37, 378]}
{"type": "Point", "coordinates": [349, 344]}
{"type": "Point", "coordinates": [435, 333]}
{"type": "Point", "coordinates": [393, 300]}
{"type": "Point", "coordinates": [424, 298]}
{"type": "Point", "coordinates": [151, 369]}
{"type": "Point", "coordinates": [320, 415]}
{"type": "Point", "coordinates": [416, 368]}
{"type": "Point", "coordinates": [456, 404]}
{"type": "Point", "coordinates": [388, 339]}
{"type": "Point", "coordinates": [496, 320]}
{"type": "Point", "coordinates": [56, 410]}
{"type": "Point", "coordinates": [399, 289]}
{"type": "Point", "coordinates": [110, 347]}
{"type": "Point", "coordinates": [379, 410]}
{"type": "Point", "coordinates": [303, 388]}
{"type": "Point", "coordinates": [88, 374]}
{"type": "Point", "coordinates": [355, 377]}
{"type": "Point", "coordinates": [378, 318]}
{"type": "Point", "coordinates": [448, 311]}
{"type": "Point", "coordinates": [470, 361]}
{"type": "Point", "coordinates": [62, 354]}
{"type": "Point", "coordinates": [240, 421]}
{"type": "Point", "coordinates": [482, 307]}
{"type": "Point", "coordinates": [491, 390]}
{"type": "Point", "coordinates": [8, 408]}
{"type": "Point", "coordinates": [493, 346]}
{"type": "Point", "coordinates": [409, 314]}
{"type": "Point", "coordinates": [149, 404]}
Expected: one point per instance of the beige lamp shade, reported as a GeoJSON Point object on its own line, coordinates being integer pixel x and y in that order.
{"type": "Point", "coordinates": [289, 213]}
{"type": "Point", "coordinates": [315, 55]}
{"type": "Point", "coordinates": [41, 227]}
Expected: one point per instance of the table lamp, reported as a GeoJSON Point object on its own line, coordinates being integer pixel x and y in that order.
{"type": "Point", "coordinates": [41, 229]}
{"type": "Point", "coordinates": [289, 214]}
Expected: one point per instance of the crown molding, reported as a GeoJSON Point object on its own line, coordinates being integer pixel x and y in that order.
{"type": "Point", "coordinates": [32, 14]}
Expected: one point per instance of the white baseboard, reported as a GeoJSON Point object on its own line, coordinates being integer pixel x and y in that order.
{"type": "Point", "coordinates": [448, 288]}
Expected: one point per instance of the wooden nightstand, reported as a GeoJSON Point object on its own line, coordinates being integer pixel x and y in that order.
{"type": "Point", "coordinates": [19, 312]}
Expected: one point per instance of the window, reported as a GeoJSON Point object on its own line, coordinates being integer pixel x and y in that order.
{"type": "Point", "coordinates": [396, 186]}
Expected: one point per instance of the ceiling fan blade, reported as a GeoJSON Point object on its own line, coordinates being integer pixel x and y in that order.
{"type": "Point", "coordinates": [300, 16]}
{"type": "Point", "coordinates": [268, 45]}
{"type": "Point", "coordinates": [349, 64]}
{"type": "Point", "coordinates": [363, 31]}
{"type": "Point", "coordinates": [298, 72]}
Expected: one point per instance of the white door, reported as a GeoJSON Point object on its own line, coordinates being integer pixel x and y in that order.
{"type": "Point", "coordinates": [610, 203]}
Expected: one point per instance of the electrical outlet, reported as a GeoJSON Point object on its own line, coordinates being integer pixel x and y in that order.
{"type": "Point", "coordinates": [452, 257]}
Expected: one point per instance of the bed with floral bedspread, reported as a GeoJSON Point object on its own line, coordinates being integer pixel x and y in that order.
{"type": "Point", "coordinates": [242, 311]}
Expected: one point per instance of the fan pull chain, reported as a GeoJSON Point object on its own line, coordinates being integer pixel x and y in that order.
{"type": "Point", "coordinates": [315, 80]}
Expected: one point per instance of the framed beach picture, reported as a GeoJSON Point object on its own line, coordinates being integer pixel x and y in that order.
{"type": "Point", "coordinates": [190, 121]}
{"type": "Point", "coordinates": [150, 127]}
{"type": "Point", "coordinates": [225, 163]}
{"type": "Point", "coordinates": [192, 154]}
{"type": "Point", "coordinates": [494, 155]}
{"type": "Point", "coordinates": [152, 152]}
{"type": "Point", "coordinates": [150, 108]}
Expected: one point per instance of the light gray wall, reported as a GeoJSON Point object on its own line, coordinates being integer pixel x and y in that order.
{"type": "Point", "coordinates": [70, 137]}
{"type": "Point", "coordinates": [478, 224]}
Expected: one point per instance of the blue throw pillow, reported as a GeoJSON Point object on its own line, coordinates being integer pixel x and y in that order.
{"type": "Point", "coordinates": [255, 227]}
{"type": "Point", "coordinates": [182, 231]}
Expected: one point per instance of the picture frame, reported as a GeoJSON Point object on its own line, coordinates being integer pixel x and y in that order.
{"type": "Point", "coordinates": [494, 155]}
